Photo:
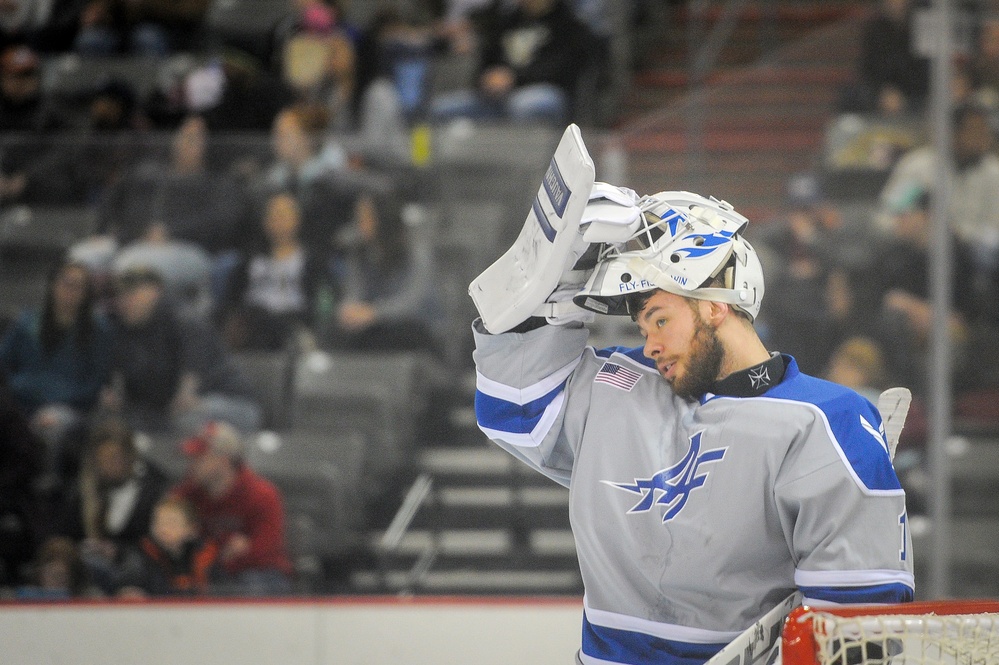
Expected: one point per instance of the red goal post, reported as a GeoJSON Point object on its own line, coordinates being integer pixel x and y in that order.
{"type": "Point", "coordinates": [947, 632]}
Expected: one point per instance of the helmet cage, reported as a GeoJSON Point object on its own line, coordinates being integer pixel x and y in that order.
{"type": "Point", "coordinates": [687, 245]}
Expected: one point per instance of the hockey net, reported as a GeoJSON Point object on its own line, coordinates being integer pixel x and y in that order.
{"type": "Point", "coordinates": [930, 633]}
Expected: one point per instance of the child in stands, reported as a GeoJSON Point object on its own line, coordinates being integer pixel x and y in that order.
{"type": "Point", "coordinates": [172, 560]}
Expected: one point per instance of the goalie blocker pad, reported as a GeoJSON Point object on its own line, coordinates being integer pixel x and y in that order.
{"type": "Point", "coordinates": [518, 283]}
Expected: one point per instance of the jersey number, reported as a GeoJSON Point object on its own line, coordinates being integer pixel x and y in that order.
{"type": "Point", "coordinates": [903, 524]}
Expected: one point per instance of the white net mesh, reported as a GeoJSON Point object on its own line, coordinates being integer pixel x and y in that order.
{"type": "Point", "coordinates": [896, 639]}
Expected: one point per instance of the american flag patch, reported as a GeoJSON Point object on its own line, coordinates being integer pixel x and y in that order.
{"type": "Point", "coordinates": [617, 376]}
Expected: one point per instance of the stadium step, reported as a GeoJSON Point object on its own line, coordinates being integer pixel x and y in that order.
{"type": "Point", "coordinates": [481, 522]}
{"type": "Point", "coordinates": [762, 116]}
{"type": "Point", "coordinates": [505, 582]}
{"type": "Point", "coordinates": [475, 560]}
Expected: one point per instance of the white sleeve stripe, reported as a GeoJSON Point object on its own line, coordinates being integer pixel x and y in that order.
{"type": "Point", "coordinates": [817, 603]}
{"type": "Point", "coordinates": [666, 631]}
{"type": "Point", "coordinates": [846, 578]}
{"type": "Point", "coordinates": [538, 434]}
{"type": "Point", "coordinates": [528, 394]}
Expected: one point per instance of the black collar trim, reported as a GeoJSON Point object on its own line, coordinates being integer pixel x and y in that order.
{"type": "Point", "coordinates": [754, 381]}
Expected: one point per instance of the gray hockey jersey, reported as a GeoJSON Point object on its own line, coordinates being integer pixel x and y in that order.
{"type": "Point", "coordinates": [692, 520]}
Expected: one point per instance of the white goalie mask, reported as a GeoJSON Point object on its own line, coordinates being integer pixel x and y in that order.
{"type": "Point", "coordinates": [686, 242]}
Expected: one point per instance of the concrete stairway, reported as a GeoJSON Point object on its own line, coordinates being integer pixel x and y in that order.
{"type": "Point", "coordinates": [474, 521]}
{"type": "Point", "coordinates": [764, 106]}
{"type": "Point", "coordinates": [484, 524]}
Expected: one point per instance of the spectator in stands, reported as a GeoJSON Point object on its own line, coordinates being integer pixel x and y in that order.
{"type": "Point", "coordinates": [984, 64]}
{"type": "Point", "coordinates": [140, 27]}
{"type": "Point", "coordinates": [109, 508]}
{"type": "Point", "coordinates": [240, 510]}
{"type": "Point", "coordinates": [387, 279]}
{"type": "Point", "coordinates": [22, 107]}
{"type": "Point", "coordinates": [900, 280]}
{"type": "Point", "coordinates": [185, 267]}
{"type": "Point", "coordinates": [171, 373]}
{"type": "Point", "coordinates": [56, 359]}
{"type": "Point", "coordinates": [398, 49]}
{"type": "Point", "coordinates": [314, 170]}
{"type": "Point", "coordinates": [302, 155]}
{"type": "Point", "coordinates": [801, 258]}
{"type": "Point", "coordinates": [33, 170]}
{"type": "Point", "coordinates": [73, 167]}
{"type": "Point", "coordinates": [858, 363]}
{"type": "Point", "coordinates": [22, 459]}
{"type": "Point", "coordinates": [271, 296]}
{"type": "Point", "coordinates": [239, 94]}
{"type": "Point", "coordinates": [974, 189]}
{"type": "Point", "coordinates": [891, 79]}
{"type": "Point", "coordinates": [181, 198]}
{"type": "Point", "coordinates": [532, 57]}
{"type": "Point", "coordinates": [394, 64]}
{"type": "Point", "coordinates": [172, 560]}
{"type": "Point", "coordinates": [24, 20]}
{"type": "Point", "coordinates": [101, 29]}
{"type": "Point", "coordinates": [58, 573]}
{"type": "Point", "coordinates": [317, 57]}
{"type": "Point", "coordinates": [178, 216]}
{"type": "Point", "coordinates": [106, 144]}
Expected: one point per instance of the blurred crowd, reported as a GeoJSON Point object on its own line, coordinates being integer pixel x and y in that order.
{"type": "Point", "coordinates": [208, 242]}
{"type": "Point", "coordinates": [255, 191]}
{"type": "Point", "coordinates": [848, 263]}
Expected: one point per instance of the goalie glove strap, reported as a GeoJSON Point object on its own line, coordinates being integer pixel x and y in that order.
{"type": "Point", "coordinates": [560, 313]}
{"type": "Point", "coordinates": [532, 323]}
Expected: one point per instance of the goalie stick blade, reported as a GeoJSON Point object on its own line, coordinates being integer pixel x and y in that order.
{"type": "Point", "coordinates": [755, 645]}
{"type": "Point", "coordinates": [893, 404]}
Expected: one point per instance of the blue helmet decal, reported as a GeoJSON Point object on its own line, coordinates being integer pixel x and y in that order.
{"type": "Point", "coordinates": [709, 243]}
{"type": "Point", "coordinates": [673, 219]}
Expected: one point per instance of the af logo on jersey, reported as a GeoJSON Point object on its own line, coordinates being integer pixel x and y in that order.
{"type": "Point", "coordinates": [672, 487]}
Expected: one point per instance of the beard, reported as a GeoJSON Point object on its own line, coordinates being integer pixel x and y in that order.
{"type": "Point", "coordinates": [703, 363]}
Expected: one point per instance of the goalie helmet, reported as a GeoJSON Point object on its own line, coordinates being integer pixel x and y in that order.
{"type": "Point", "coordinates": [686, 242]}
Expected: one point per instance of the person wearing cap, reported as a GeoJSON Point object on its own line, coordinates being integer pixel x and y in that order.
{"type": "Point", "coordinates": [238, 509]}
{"type": "Point", "coordinates": [171, 372]}
{"type": "Point", "coordinates": [710, 480]}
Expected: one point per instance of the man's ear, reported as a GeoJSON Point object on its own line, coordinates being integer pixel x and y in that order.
{"type": "Point", "coordinates": [715, 312]}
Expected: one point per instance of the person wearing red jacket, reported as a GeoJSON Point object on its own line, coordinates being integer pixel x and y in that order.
{"type": "Point", "coordinates": [240, 510]}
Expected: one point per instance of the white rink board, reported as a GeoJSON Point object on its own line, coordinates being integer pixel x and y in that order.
{"type": "Point", "coordinates": [338, 632]}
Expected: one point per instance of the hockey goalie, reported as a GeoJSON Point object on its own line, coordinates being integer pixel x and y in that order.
{"type": "Point", "coordinates": [712, 483]}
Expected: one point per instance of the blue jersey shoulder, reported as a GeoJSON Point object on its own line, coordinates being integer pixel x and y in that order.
{"type": "Point", "coordinates": [854, 423]}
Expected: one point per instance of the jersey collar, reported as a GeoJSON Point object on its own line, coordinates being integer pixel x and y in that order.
{"type": "Point", "coordinates": [752, 381]}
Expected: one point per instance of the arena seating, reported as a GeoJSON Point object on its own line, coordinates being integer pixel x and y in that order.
{"type": "Point", "coordinates": [270, 374]}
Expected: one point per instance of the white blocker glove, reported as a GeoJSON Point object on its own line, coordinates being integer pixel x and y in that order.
{"type": "Point", "coordinates": [540, 272]}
